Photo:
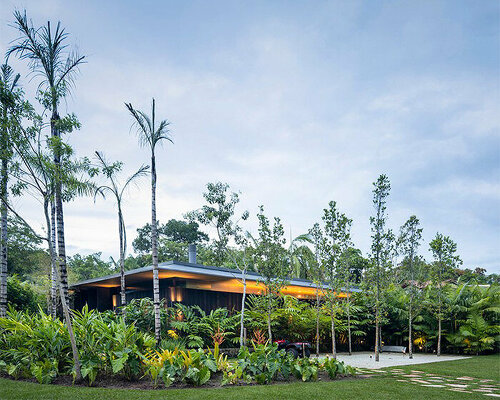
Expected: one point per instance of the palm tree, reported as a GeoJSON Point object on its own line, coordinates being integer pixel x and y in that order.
{"type": "Point", "coordinates": [110, 171]}
{"type": "Point", "coordinates": [35, 175]}
{"type": "Point", "coordinates": [46, 51]}
{"type": "Point", "coordinates": [8, 84]}
{"type": "Point", "coordinates": [150, 134]}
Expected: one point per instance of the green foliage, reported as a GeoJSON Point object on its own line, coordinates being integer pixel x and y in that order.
{"type": "Point", "coordinates": [199, 327]}
{"type": "Point", "coordinates": [109, 346]}
{"type": "Point", "coordinates": [264, 363]}
{"type": "Point", "coordinates": [23, 248]}
{"type": "Point", "coordinates": [334, 367]}
{"type": "Point", "coordinates": [87, 267]}
{"type": "Point", "coordinates": [306, 369]}
{"type": "Point", "coordinates": [34, 345]}
{"type": "Point", "coordinates": [177, 231]}
{"type": "Point", "coordinates": [22, 295]}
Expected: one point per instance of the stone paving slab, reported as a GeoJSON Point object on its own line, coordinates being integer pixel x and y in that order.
{"type": "Point", "coordinates": [366, 359]}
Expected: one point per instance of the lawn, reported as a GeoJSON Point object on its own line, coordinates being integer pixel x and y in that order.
{"type": "Point", "coordinates": [380, 387]}
{"type": "Point", "coordinates": [483, 367]}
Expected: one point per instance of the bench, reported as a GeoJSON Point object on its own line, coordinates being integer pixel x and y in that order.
{"type": "Point", "coordinates": [393, 349]}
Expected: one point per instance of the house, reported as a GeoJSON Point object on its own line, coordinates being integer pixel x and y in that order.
{"type": "Point", "coordinates": [187, 283]}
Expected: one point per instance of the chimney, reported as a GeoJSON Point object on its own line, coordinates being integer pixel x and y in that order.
{"type": "Point", "coordinates": [192, 253]}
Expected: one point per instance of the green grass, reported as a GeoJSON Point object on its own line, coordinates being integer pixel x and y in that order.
{"type": "Point", "coordinates": [383, 387]}
{"type": "Point", "coordinates": [483, 367]}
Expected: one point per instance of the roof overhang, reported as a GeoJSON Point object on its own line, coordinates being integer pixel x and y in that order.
{"type": "Point", "coordinates": [203, 277]}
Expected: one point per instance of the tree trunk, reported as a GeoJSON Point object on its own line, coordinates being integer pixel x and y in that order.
{"type": "Point", "coordinates": [317, 322]}
{"type": "Point", "coordinates": [64, 301]}
{"type": "Point", "coordinates": [121, 227]}
{"type": "Point", "coordinates": [269, 332]}
{"type": "Point", "coordinates": [154, 247]}
{"type": "Point", "coordinates": [53, 262]}
{"type": "Point", "coordinates": [380, 336]}
{"type": "Point", "coordinates": [61, 245]}
{"type": "Point", "coordinates": [334, 347]}
{"type": "Point", "coordinates": [242, 316]}
{"type": "Point", "coordinates": [3, 229]}
{"type": "Point", "coordinates": [439, 333]}
{"type": "Point", "coordinates": [349, 323]}
{"type": "Point", "coordinates": [377, 356]}
{"type": "Point", "coordinates": [410, 341]}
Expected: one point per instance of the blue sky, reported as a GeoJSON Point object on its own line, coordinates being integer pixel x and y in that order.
{"type": "Point", "coordinates": [294, 104]}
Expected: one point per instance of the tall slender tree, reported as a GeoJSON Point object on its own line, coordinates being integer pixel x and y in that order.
{"type": "Point", "coordinates": [8, 102]}
{"type": "Point", "coordinates": [219, 213]}
{"type": "Point", "coordinates": [317, 272]}
{"type": "Point", "coordinates": [337, 240]}
{"type": "Point", "coordinates": [410, 236]}
{"type": "Point", "coordinates": [117, 190]}
{"type": "Point", "coordinates": [445, 260]}
{"type": "Point", "coordinates": [380, 240]}
{"type": "Point", "coordinates": [152, 133]}
{"type": "Point", "coordinates": [50, 59]}
{"type": "Point", "coordinates": [272, 261]}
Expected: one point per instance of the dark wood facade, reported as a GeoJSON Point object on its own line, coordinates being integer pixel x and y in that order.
{"type": "Point", "coordinates": [185, 283]}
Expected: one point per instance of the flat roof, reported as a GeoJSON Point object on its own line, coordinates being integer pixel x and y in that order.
{"type": "Point", "coordinates": [198, 269]}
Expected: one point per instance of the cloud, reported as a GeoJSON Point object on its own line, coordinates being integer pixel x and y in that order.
{"type": "Point", "coordinates": [294, 111]}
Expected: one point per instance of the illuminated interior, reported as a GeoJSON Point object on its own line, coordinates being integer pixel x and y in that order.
{"type": "Point", "coordinates": [205, 282]}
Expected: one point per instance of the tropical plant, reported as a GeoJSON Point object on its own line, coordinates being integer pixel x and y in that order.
{"type": "Point", "coordinates": [117, 190]}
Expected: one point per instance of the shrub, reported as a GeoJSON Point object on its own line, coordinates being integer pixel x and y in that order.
{"type": "Point", "coordinates": [33, 345]}
{"type": "Point", "coordinates": [22, 296]}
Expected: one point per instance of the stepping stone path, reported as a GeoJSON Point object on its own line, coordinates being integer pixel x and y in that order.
{"type": "Point", "coordinates": [463, 384]}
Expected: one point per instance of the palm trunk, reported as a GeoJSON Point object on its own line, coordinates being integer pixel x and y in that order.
{"type": "Point", "coordinates": [154, 246]}
{"type": "Point", "coordinates": [3, 241]}
{"type": "Point", "coordinates": [410, 341]}
{"type": "Point", "coordinates": [349, 323]}
{"type": "Point", "coordinates": [334, 343]}
{"type": "Point", "coordinates": [317, 322]}
{"type": "Point", "coordinates": [61, 245]}
{"type": "Point", "coordinates": [242, 316]}
{"type": "Point", "coordinates": [121, 227]}
{"type": "Point", "coordinates": [53, 263]}
{"type": "Point", "coordinates": [64, 301]}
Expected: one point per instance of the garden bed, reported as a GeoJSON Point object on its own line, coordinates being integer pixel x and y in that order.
{"type": "Point", "coordinates": [117, 382]}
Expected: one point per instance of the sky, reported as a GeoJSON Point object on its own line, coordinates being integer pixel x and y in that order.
{"type": "Point", "coordinates": [294, 104]}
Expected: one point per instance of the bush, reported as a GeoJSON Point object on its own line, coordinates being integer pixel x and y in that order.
{"type": "Point", "coordinates": [22, 296]}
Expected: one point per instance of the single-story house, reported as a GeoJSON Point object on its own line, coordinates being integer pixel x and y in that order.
{"type": "Point", "coordinates": [187, 283]}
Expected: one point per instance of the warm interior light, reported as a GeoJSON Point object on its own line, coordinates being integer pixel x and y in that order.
{"type": "Point", "coordinates": [115, 300]}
